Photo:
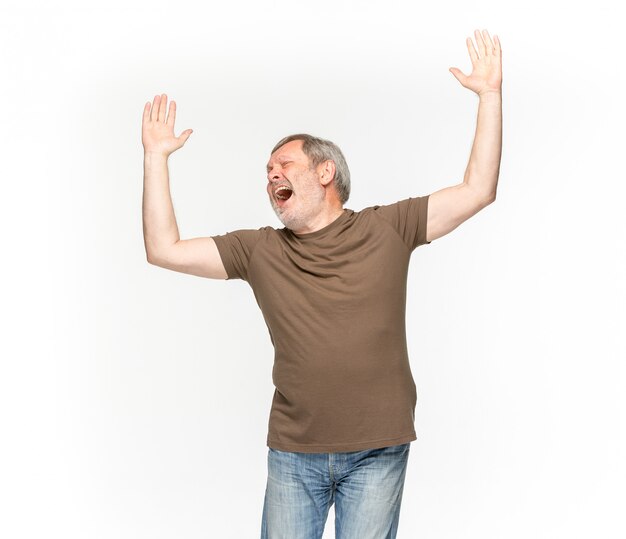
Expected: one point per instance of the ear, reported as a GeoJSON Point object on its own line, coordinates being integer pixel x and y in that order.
{"type": "Point", "coordinates": [326, 170]}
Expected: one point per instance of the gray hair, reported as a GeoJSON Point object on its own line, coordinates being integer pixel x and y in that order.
{"type": "Point", "coordinates": [319, 150]}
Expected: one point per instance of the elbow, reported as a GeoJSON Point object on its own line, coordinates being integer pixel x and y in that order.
{"type": "Point", "coordinates": [154, 255]}
{"type": "Point", "coordinates": [491, 199]}
{"type": "Point", "coordinates": [151, 259]}
{"type": "Point", "coordinates": [484, 201]}
{"type": "Point", "coordinates": [482, 195]}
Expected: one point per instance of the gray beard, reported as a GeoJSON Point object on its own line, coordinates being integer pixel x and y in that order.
{"type": "Point", "coordinates": [310, 196]}
{"type": "Point", "coordinates": [293, 223]}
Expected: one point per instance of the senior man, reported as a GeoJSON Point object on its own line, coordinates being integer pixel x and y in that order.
{"type": "Point", "coordinates": [331, 285]}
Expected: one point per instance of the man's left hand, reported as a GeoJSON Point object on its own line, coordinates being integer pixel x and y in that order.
{"type": "Point", "coordinates": [486, 73]}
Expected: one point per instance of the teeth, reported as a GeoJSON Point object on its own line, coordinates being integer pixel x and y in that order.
{"type": "Point", "coordinates": [282, 188]}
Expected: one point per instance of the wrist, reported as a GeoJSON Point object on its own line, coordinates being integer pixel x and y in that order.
{"type": "Point", "coordinates": [490, 95]}
{"type": "Point", "coordinates": [153, 155]}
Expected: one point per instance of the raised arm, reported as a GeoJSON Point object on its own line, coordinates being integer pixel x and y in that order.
{"type": "Point", "coordinates": [164, 248]}
{"type": "Point", "coordinates": [450, 207]}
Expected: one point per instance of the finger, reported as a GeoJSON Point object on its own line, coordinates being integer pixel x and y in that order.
{"type": "Point", "coordinates": [479, 43]}
{"type": "Point", "coordinates": [162, 106]}
{"type": "Point", "coordinates": [472, 51]}
{"type": "Point", "coordinates": [171, 117]}
{"type": "Point", "coordinates": [497, 46]}
{"type": "Point", "coordinates": [154, 112]}
{"type": "Point", "coordinates": [185, 135]}
{"type": "Point", "coordinates": [458, 74]}
{"type": "Point", "coordinates": [146, 113]}
{"type": "Point", "coordinates": [488, 43]}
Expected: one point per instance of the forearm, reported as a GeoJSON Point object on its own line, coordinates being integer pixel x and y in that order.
{"type": "Point", "coordinates": [159, 221]}
{"type": "Point", "coordinates": [483, 168]}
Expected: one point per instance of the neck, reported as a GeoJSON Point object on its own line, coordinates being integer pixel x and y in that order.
{"type": "Point", "coordinates": [322, 219]}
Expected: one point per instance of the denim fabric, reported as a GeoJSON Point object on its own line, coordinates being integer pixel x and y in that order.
{"type": "Point", "coordinates": [365, 486]}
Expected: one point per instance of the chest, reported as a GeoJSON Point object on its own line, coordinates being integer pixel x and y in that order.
{"type": "Point", "coordinates": [355, 272]}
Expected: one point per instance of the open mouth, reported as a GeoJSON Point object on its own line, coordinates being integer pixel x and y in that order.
{"type": "Point", "coordinates": [283, 193]}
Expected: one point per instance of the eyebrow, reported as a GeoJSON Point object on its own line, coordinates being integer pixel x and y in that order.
{"type": "Point", "coordinates": [281, 158]}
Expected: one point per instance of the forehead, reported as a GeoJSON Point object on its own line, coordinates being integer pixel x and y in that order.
{"type": "Point", "coordinates": [290, 150]}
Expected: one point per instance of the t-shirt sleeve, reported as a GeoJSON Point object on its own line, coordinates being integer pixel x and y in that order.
{"type": "Point", "coordinates": [409, 218]}
{"type": "Point", "coordinates": [236, 249]}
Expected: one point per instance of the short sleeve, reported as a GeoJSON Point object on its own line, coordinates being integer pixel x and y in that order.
{"type": "Point", "coordinates": [409, 218]}
{"type": "Point", "coordinates": [236, 249]}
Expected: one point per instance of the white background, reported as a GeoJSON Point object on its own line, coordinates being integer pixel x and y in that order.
{"type": "Point", "coordinates": [134, 400]}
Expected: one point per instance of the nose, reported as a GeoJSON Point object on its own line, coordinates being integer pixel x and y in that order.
{"type": "Point", "coordinates": [273, 175]}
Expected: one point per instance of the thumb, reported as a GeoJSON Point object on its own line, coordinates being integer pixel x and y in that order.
{"type": "Point", "coordinates": [458, 74]}
{"type": "Point", "coordinates": [185, 135]}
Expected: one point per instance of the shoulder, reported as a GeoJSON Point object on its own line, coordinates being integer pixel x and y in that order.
{"type": "Point", "coordinates": [237, 247]}
{"type": "Point", "coordinates": [408, 217]}
{"type": "Point", "coordinates": [244, 239]}
{"type": "Point", "coordinates": [250, 234]}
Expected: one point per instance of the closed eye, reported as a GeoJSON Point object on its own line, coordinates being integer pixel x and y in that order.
{"type": "Point", "coordinates": [268, 169]}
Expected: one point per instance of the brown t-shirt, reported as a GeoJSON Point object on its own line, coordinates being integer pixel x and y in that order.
{"type": "Point", "coordinates": [334, 302]}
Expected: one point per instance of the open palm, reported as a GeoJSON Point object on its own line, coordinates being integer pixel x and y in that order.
{"type": "Point", "coordinates": [486, 73]}
{"type": "Point", "coordinates": [157, 128]}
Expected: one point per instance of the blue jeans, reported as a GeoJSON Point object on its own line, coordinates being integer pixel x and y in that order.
{"type": "Point", "coordinates": [365, 486]}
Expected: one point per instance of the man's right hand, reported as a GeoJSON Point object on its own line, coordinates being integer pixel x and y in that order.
{"type": "Point", "coordinates": [157, 132]}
